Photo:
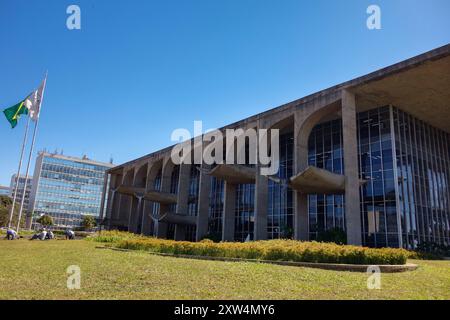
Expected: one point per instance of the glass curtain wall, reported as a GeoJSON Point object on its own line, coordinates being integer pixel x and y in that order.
{"type": "Point", "coordinates": [325, 151]}
{"type": "Point", "coordinates": [174, 179]}
{"type": "Point", "coordinates": [280, 210]}
{"type": "Point", "coordinates": [422, 155]}
{"type": "Point", "coordinates": [193, 200]}
{"type": "Point", "coordinates": [215, 208]}
{"type": "Point", "coordinates": [406, 165]}
{"type": "Point", "coordinates": [378, 196]}
{"type": "Point", "coordinates": [244, 212]}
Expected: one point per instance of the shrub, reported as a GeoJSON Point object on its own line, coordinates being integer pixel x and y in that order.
{"type": "Point", "coordinates": [112, 236]}
{"type": "Point", "coordinates": [274, 250]}
{"type": "Point", "coordinates": [430, 251]}
{"type": "Point", "coordinates": [335, 235]}
{"type": "Point", "coordinates": [214, 237]}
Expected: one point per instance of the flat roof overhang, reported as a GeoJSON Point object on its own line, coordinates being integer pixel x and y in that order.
{"type": "Point", "coordinates": [234, 173]}
{"type": "Point", "coordinates": [130, 191]}
{"type": "Point", "coordinates": [176, 218]}
{"type": "Point", "coordinates": [154, 196]}
{"type": "Point", "coordinates": [161, 197]}
{"type": "Point", "coordinates": [314, 180]}
{"type": "Point", "coordinates": [422, 91]}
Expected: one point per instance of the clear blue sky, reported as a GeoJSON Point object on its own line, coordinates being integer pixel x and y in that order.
{"type": "Point", "coordinates": [139, 69]}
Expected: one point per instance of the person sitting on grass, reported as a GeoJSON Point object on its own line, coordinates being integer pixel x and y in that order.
{"type": "Point", "coordinates": [43, 234]}
{"type": "Point", "coordinates": [70, 235]}
{"type": "Point", "coordinates": [11, 234]}
{"type": "Point", "coordinates": [50, 235]}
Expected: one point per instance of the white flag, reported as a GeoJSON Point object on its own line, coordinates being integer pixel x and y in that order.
{"type": "Point", "coordinates": [34, 100]}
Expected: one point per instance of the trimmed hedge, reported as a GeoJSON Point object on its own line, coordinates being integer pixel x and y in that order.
{"type": "Point", "coordinates": [274, 250]}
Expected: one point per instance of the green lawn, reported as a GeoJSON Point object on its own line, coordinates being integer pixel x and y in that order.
{"type": "Point", "coordinates": [37, 270]}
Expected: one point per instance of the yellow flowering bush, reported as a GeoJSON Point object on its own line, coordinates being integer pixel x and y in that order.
{"type": "Point", "coordinates": [274, 250]}
{"type": "Point", "coordinates": [112, 236]}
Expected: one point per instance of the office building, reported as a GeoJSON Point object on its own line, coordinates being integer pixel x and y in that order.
{"type": "Point", "coordinates": [66, 188]}
{"type": "Point", "coordinates": [20, 190]}
{"type": "Point", "coordinates": [5, 191]}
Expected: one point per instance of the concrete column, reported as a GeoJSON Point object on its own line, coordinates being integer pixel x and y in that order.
{"type": "Point", "coordinates": [261, 198]}
{"type": "Point", "coordinates": [115, 215]}
{"type": "Point", "coordinates": [161, 227]}
{"type": "Point", "coordinates": [147, 206]}
{"type": "Point", "coordinates": [140, 215]}
{"type": "Point", "coordinates": [115, 201]}
{"type": "Point", "coordinates": [228, 212]}
{"type": "Point", "coordinates": [103, 205]}
{"type": "Point", "coordinates": [110, 207]}
{"type": "Point", "coordinates": [135, 214]}
{"type": "Point", "coordinates": [131, 214]}
{"type": "Point", "coordinates": [182, 199]}
{"type": "Point", "coordinates": [146, 219]}
{"type": "Point", "coordinates": [352, 201]}
{"type": "Point", "coordinates": [301, 219]}
{"type": "Point", "coordinates": [203, 203]}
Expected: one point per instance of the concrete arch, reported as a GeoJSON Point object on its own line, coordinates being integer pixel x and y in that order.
{"type": "Point", "coordinates": [140, 178]}
{"type": "Point", "coordinates": [128, 177]}
{"type": "Point", "coordinates": [136, 219]}
{"type": "Point", "coordinates": [126, 200]}
{"type": "Point", "coordinates": [306, 117]}
{"type": "Point", "coordinates": [167, 169]}
{"type": "Point", "coordinates": [277, 121]}
{"type": "Point", "coordinates": [154, 170]}
{"type": "Point", "coordinates": [305, 121]}
{"type": "Point", "coordinates": [114, 197]}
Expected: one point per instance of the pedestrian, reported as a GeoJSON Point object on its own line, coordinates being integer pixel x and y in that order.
{"type": "Point", "coordinates": [11, 234]}
{"type": "Point", "coordinates": [70, 235]}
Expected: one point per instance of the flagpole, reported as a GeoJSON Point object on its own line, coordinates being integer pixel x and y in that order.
{"type": "Point", "coordinates": [16, 188]}
{"type": "Point", "coordinates": [31, 154]}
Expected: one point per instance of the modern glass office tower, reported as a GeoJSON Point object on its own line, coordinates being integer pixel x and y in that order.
{"type": "Point", "coordinates": [5, 191]}
{"type": "Point", "coordinates": [370, 156]}
{"type": "Point", "coordinates": [67, 188]}
{"type": "Point", "coordinates": [20, 189]}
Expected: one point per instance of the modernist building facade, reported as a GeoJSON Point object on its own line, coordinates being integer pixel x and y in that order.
{"type": "Point", "coordinates": [5, 191]}
{"type": "Point", "coordinates": [20, 189]}
{"type": "Point", "coordinates": [66, 188]}
{"type": "Point", "coordinates": [370, 156]}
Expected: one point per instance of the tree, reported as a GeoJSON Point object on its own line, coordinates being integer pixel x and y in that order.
{"type": "Point", "coordinates": [5, 208]}
{"type": "Point", "coordinates": [89, 222]}
{"type": "Point", "coordinates": [45, 220]}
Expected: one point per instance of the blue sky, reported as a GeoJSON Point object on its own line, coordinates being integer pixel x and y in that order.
{"type": "Point", "coordinates": [137, 70]}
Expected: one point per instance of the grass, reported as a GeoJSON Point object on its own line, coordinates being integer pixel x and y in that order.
{"type": "Point", "coordinates": [37, 270]}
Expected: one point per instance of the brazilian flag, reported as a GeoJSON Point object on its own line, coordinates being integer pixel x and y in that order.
{"type": "Point", "coordinates": [13, 113]}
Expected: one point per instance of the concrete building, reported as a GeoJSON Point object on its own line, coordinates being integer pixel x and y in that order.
{"type": "Point", "coordinates": [20, 190]}
{"type": "Point", "coordinates": [370, 156]}
{"type": "Point", "coordinates": [66, 188]}
{"type": "Point", "coordinates": [5, 191]}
